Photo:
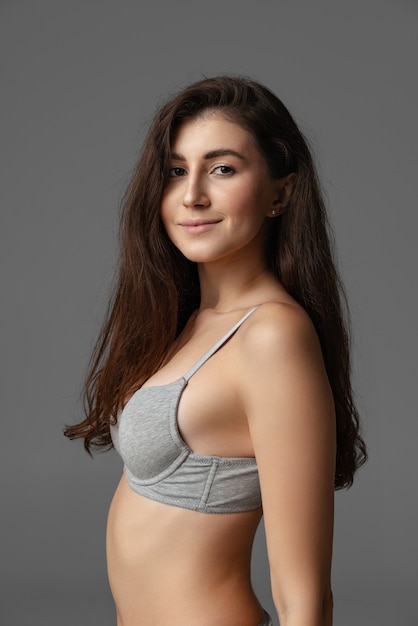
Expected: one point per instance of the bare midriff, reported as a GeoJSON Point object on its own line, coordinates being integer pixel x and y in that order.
{"type": "Point", "coordinates": [177, 567]}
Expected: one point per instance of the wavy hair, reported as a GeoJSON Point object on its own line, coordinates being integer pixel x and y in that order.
{"type": "Point", "coordinates": [158, 288]}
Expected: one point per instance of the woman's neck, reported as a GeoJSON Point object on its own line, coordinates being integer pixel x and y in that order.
{"type": "Point", "coordinates": [232, 285]}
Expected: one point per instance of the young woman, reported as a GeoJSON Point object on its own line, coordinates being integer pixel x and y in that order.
{"type": "Point", "coordinates": [222, 373]}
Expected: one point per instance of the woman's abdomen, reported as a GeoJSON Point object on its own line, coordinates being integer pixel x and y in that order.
{"type": "Point", "coordinates": [174, 566]}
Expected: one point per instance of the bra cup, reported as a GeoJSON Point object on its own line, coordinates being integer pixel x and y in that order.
{"type": "Point", "coordinates": [149, 447]}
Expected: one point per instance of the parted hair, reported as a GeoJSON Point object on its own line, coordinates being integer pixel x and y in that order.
{"type": "Point", "coordinates": [157, 288]}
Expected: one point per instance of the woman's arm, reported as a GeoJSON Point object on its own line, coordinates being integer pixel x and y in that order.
{"type": "Point", "coordinates": [291, 417]}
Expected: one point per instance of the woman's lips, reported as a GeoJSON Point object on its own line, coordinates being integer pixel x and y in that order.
{"type": "Point", "coordinates": [198, 226]}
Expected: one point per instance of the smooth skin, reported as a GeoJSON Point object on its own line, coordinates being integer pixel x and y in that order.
{"type": "Point", "coordinates": [264, 394]}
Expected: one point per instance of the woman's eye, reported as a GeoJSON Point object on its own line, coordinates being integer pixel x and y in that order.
{"type": "Point", "coordinates": [175, 172]}
{"type": "Point", "coordinates": [223, 170]}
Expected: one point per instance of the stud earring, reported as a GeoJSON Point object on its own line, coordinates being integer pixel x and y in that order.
{"type": "Point", "coordinates": [273, 211]}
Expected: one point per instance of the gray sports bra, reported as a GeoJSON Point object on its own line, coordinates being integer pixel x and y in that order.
{"type": "Point", "coordinates": [160, 465]}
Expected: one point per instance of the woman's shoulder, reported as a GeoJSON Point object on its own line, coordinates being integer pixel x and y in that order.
{"type": "Point", "coordinates": [279, 321]}
{"type": "Point", "coordinates": [279, 331]}
{"type": "Point", "coordinates": [281, 369]}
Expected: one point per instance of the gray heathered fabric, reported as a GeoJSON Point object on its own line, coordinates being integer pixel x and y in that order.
{"type": "Point", "coordinates": [160, 465]}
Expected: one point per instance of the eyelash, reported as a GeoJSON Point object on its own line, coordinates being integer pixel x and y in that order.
{"type": "Point", "coordinates": [230, 171]}
{"type": "Point", "coordinates": [171, 171]}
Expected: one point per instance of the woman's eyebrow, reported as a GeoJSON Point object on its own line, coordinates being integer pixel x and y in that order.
{"type": "Point", "coordinates": [211, 155]}
{"type": "Point", "coordinates": [223, 152]}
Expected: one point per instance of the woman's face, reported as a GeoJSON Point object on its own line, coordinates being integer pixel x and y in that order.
{"type": "Point", "coordinates": [219, 191]}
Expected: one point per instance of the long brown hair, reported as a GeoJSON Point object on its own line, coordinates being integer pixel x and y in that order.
{"type": "Point", "coordinates": [158, 288]}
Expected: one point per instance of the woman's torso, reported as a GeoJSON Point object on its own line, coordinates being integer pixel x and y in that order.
{"type": "Point", "coordinates": [172, 565]}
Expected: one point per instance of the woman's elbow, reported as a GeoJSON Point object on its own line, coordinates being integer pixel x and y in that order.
{"type": "Point", "coordinates": [306, 610]}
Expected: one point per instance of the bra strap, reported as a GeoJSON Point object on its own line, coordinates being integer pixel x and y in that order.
{"type": "Point", "coordinates": [216, 347]}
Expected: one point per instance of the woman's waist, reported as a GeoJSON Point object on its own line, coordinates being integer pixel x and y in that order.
{"type": "Point", "coordinates": [142, 533]}
{"type": "Point", "coordinates": [181, 595]}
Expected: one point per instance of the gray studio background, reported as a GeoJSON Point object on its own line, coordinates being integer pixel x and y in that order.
{"type": "Point", "coordinates": [80, 81]}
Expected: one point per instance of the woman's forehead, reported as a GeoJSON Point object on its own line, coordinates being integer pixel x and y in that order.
{"type": "Point", "coordinates": [212, 130]}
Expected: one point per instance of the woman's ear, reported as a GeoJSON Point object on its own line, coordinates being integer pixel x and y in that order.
{"type": "Point", "coordinates": [285, 188]}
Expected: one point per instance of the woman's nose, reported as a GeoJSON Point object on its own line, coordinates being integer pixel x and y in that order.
{"type": "Point", "coordinates": [195, 194]}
